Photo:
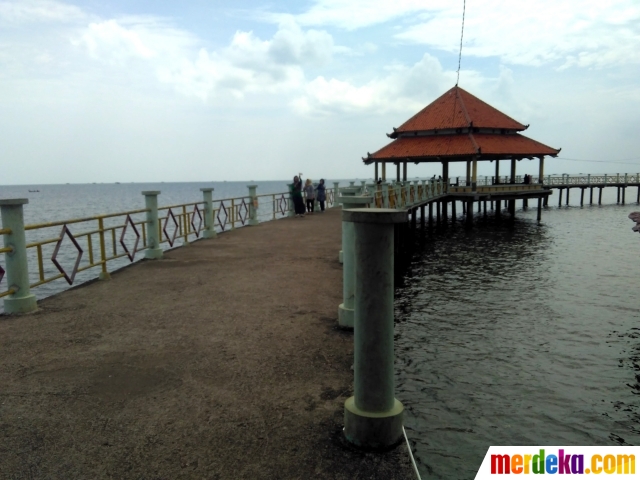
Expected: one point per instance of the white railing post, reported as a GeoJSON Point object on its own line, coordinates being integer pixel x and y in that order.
{"type": "Point", "coordinates": [373, 417]}
{"type": "Point", "coordinates": [21, 300]}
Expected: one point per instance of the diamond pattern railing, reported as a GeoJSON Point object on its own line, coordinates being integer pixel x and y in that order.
{"type": "Point", "coordinates": [222, 209]}
{"type": "Point", "coordinates": [171, 238]}
{"type": "Point", "coordinates": [196, 228]}
{"type": "Point", "coordinates": [129, 223]}
{"type": "Point", "coordinates": [282, 205]}
{"type": "Point", "coordinates": [242, 212]}
{"type": "Point", "coordinates": [54, 257]}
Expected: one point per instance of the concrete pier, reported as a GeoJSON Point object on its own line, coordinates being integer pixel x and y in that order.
{"type": "Point", "coordinates": [221, 360]}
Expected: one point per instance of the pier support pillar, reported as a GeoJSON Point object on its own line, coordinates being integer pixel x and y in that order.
{"type": "Point", "coordinates": [153, 251]}
{"type": "Point", "coordinates": [470, 212]}
{"type": "Point", "coordinates": [431, 212]}
{"type": "Point", "coordinates": [21, 300]}
{"type": "Point", "coordinates": [600, 196]}
{"type": "Point", "coordinates": [618, 199]}
{"type": "Point", "coordinates": [373, 416]}
{"type": "Point", "coordinates": [438, 212]}
{"type": "Point", "coordinates": [624, 194]}
{"type": "Point", "coordinates": [346, 308]}
{"type": "Point", "coordinates": [525, 203]}
{"type": "Point", "coordinates": [559, 197]}
{"type": "Point", "coordinates": [484, 206]}
{"type": "Point", "coordinates": [498, 209]}
{"type": "Point", "coordinates": [209, 229]}
{"type": "Point", "coordinates": [445, 211]}
{"type": "Point", "coordinates": [422, 216]}
{"type": "Point", "coordinates": [453, 211]}
{"type": "Point", "coordinates": [539, 209]}
{"type": "Point", "coordinates": [581, 197]}
{"type": "Point", "coordinates": [591, 195]}
{"type": "Point", "coordinates": [253, 205]}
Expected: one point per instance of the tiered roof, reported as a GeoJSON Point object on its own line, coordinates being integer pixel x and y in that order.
{"type": "Point", "coordinates": [457, 126]}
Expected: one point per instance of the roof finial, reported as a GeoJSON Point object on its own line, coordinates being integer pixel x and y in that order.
{"type": "Point", "coordinates": [464, 8]}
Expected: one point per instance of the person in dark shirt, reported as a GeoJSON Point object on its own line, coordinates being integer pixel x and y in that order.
{"type": "Point", "coordinates": [296, 194]}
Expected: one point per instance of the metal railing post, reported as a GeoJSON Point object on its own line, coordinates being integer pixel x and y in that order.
{"type": "Point", "coordinates": [185, 224]}
{"type": "Point", "coordinates": [209, 228]}
{"type": "Point", "coordinates": [21, 300]}
{"type": "Point", "coordinates": [373, 417]}
{"type": "Point", "coordinates": [153, 250]}
{"type": "Point", "coordinates": [253, 205]}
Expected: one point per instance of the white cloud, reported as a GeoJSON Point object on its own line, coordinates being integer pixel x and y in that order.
{"type": "Point", "coordinates": [247, 65]}
{"type": "Point", "coordinates": [403, 89]}
{"type": "Point", "coordinates": [24, 11]}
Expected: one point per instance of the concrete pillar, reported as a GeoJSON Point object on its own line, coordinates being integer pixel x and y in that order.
{"type": "Point", "coordinates": [384, 171]}
{"type": "Point", "coordinates": [350, 192]}
{"type": "Point", "coordinates": [385, 195]}
{"type": "Point", "coordinates": [345, 310]}
{"type": "Point", "coordinates": [209, 225]}
{"type": "Point", "coordinates": [373, 416]}
{"type": "Point", "coordinates": [363, 184]}
{"type": "Point", "coordinates": [153, 250]}
{"type": "Point", "coordinates": [541, 170]}
{"type": "Point", "coordinates": [336, 188]}
{"type": "Point", "coordinates": [497, 179]}
{"type": "Point", "coordinates": [404, 172]}
{"type": "Point", "coordinates": [253, 205]}
{"type": "Point", "coordinates": [375, 174]}
{"type": "Point", "coordinates": [21, 300]}
{"type": "Point", "coordinates": [352, 184]}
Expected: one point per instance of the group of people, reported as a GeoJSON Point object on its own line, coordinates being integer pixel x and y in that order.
{"type": "Point", "coordinates": [311, 194]}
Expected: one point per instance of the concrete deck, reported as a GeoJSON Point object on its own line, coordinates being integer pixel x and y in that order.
{"type": "Point", "coordinates": [220, 361]}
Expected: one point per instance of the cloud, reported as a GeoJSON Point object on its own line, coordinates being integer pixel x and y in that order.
{"type": "Point", "coordinates": [403, 89]}
{"type": "Point", "coordinates": [247, 65]}
{"type": "Point", "coordinates": [30, 11]}
{"type": "Point", "coordinates": [591, 34]}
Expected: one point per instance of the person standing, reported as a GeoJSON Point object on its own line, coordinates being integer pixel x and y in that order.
{"type": "Point", "coordinates": [310, 195]}
{"type": "Point", "coordinates": [321, 194]}
{"type": "Point", "coordinates": [296, 195]}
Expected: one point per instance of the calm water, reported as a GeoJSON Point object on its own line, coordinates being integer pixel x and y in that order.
{"type": "Point", "coordinates": [506, 334]}
{"type": "Point", "coordinates": [521, 335]}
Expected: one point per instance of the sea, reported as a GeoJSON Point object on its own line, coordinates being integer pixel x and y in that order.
{"type": "Point", "coordinates": [507, 333]}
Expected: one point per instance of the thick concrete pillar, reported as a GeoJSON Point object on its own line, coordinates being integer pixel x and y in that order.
{"type": "Point", "coordinates": [345, 310]}
{"type": "Point", "coordinates": [17, 270]}
{"type": "Point", "coordinates": [404, 172]}
{"type": "Point", "coordinates": [153, 250]}
{"type": "Point", "coordinates": [373, 416]}
{"type": "Point", "coordinates": [345, 192]}
{"type": "Point", "coordinates": [497, 179]}
{"type": "Point", "coordinates": [253, 205]}
{"type": "Point", "coordinates": [209, 229]}
{"type": "Point", "coordinates": [375, 172]}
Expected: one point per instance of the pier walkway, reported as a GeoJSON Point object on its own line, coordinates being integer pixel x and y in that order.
{"type": "Point", "coordinates": [220, 361]}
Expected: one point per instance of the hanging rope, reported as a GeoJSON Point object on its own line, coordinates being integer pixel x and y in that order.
{"type": "Point", "coordinates": [464, 8]}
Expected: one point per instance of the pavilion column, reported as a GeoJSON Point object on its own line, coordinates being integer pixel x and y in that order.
{"type": "Point", "coordinates": [445, 176]}
{"type": "Point", "coordinates": [474, 176]}
{"type": "Point", "coordinates": [541, 170]}
{"type": "Point", "coordinates": [375, 175]}
{"type": "Point", "coordinates": [398, 172]}
{"type": "Point", "coordinates": [468, 173]}
{"type": "Point", "coordinates": [497, 171]}
{"type": "Point", "coordinates": [513, 170]}
{"type": "Point", "coordinates": [404, 172]}
{"type": "Point", "coordinates": [384, 171]}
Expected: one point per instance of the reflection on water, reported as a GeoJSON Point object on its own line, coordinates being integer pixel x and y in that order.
{"type": "Point", "coordinates": [519, 334]}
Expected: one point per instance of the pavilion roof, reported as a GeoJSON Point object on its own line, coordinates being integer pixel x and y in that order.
{"type": "Point", "coordinates": [485, 146]}
{"type": "Point", "coordinates": [457, 126]}
{"type": "Point", "coordinates": [457, 108]}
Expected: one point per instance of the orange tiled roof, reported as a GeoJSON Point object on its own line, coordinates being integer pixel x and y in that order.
{"type": "Point", "coordinates": [457, 108]}
{"type": "Point", "coordinates": [487, 146]}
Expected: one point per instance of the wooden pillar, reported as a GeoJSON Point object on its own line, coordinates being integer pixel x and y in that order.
{"type": "Point", "coordinates": [470, 212]}
{"type": "Point", "coordinates": [581, 196]}
{"type": "Point", "coordinates": [497, 171]}
{"type": "Point", "coordinates": [468, 184]}
{"type": "Point", "coordinates": [384, 171]}
{"type": "Point", "coordinates": [559, 197]}
{"type": "Point", "coordinates": [600, 196]}
{"type": "Point", "coordinates": [375, 175]}
{"type": "Point", "coordinates": [591, 196]}
{"type": "Point", "coordinates": [539, 209]}
{"type": "Point", "coordinates": [404, 171]}
{"type": "Point", "coordinates": [398, 172]}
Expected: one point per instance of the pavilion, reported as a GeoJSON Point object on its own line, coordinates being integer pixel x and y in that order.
{"type": "Point", "coordinates": [459, 127]}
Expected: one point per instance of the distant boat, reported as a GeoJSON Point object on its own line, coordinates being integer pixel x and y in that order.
{"type": "Point", "coordinates": [32, 191]}
{"type": "Point", "coordinates": [117, 183]}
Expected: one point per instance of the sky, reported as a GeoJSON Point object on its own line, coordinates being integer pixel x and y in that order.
{"type": "Point", "coordinates": [147, 91]}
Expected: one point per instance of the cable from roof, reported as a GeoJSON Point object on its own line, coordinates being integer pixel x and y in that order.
{"type": "Point", "coordinates": [464, 8]}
